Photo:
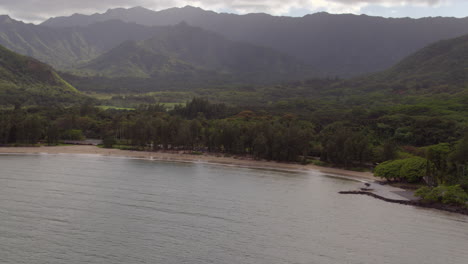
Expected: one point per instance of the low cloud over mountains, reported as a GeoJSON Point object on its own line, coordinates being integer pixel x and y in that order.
{"type": "Point", "coordinates": [38, 10]}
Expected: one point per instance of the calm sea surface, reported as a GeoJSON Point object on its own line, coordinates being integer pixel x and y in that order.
{"type": "Point", "coordinates": [92, 209]}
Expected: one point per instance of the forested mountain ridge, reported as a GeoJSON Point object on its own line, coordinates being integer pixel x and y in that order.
{"type": "Point", "coordinates": [439, 68]}
{"type": "Point", "coordinates": [343, 45]}
{"type": "Point", "coordinates": [422, 100]}
{"type": "Point", "coordinates": [441, 63]}
{"type": "Point", "coordinates": [130, 59]}
{"type": "Point", "coordinates": [119, 49]}
{"type": "Point", "coordinates": [185, 50]}
{"type": "Point", "coordinates": [65, 48]}
{"type": "Point", "coordinates": [57, 47]}
{"type": "Point", "coordinates": [27, 80]}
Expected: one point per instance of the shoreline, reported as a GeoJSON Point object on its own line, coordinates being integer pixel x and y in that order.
{"type": "Point", "coordinates": [183, 157]}
{"type": "Point", "coordinates": [386, 191]}
{"type": "Point", "coordinates": [437, 206]}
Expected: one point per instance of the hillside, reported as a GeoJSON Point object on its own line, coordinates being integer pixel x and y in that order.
{"type": "Point", "coordinates": [344, 45]}
{"type": "Point", "coordinates": [57, 47]}
{"type": "Point", "coordinates": [430, 86]}
{"type": "Point", "coordinates": [64, 48]}
{"type": "Point", "coordinates": [440, 68]}
{"type": "Point", "coordinates": [132, 59]}
{"type": "Point", "coordinates": [415, 100]}
{"type": "Point", "coordinates": [24, 80]}
{"type": "Point", "coordinates": [182, 51]}
{"type": "Point", "coordinates": [432, 81]}
{"type": "Point", "coordinates": [440, 64]}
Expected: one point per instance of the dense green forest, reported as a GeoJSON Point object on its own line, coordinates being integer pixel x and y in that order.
{"type": "Point", "coordinates": [360, 139]}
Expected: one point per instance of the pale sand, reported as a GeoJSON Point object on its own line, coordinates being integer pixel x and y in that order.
{"type": "Point", "coordinates": [180, 156]}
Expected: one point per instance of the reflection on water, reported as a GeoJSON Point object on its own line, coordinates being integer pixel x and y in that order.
{"type": "Point", "coordinates": [78, 209]}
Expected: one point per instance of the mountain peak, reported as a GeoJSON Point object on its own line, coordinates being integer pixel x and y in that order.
{"type": "Point", "coordinates": [138, 8]}
{"type": "Point", "coordinates": [189, 7]}
{"type": "Point", "coordinates": [5, 19]}
{"type": "Point", "coordinates": [187, 10]}
{"type": "Point", "coordinates": [132, 10]}
{"type": "Point", "coordinates": [115, 10]}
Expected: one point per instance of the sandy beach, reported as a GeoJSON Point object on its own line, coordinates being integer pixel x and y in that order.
{"type": "Point", "coordinates": [386, 191]}
{"type": "Point", "coordinates": [182, 157]}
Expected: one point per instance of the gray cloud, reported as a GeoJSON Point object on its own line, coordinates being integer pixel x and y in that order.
{"type": "Point", "coordinates": [38, 10]}
{"type": "Point", "coordinates": [427, 2]}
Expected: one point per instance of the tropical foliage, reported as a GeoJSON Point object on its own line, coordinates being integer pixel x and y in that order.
{"type": "Point", "coordinates": [445, 194]}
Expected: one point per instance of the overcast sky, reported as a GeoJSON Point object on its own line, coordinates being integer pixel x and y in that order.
{"type": "Point", "coordinates": [38, 10]}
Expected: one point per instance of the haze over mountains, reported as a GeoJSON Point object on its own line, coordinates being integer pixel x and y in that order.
{"type": "Point", "coordinates": [137, 50]}
{"type": "Point", "coordinates": [440, 68]}
{"type": "Point", "coordinates": [65, 48]}
{"type": "Point", "coordinates": [334, 45]}
{"type": "Point", "coordinates": [343, 45]}
{"type": "Point", "coordinates": [185, 50]}
{"type": "Point", "coordinates": [442, 63]}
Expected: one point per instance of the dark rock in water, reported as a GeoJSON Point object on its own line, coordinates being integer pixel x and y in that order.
{"type": "Point", "coordinates": [438, 206]}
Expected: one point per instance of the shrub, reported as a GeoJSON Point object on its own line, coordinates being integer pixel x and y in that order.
{"type": "Point", "coordinates": [427, 194]}
{"type": "Point", "coordinates": [454, 195]}
{"type": "Point", "coordinates": [446, 194]}
{"type": "Point", "coordinates": [109, 142]}
{"type": "Point", "coordinates": [413, 169]}
{"type": "Point", "coordinates": [389, 169]}
{"type": "Point", "coordinates": [73, 134]}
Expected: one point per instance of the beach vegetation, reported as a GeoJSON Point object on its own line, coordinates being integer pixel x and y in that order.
{"type": "Point", "coordinates": [410, 170]}
{"type": "Point", "coordinates": [454, 194]}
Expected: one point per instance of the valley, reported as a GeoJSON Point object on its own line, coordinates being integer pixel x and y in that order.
{"type": "Point", "coordinates": [322, 96]}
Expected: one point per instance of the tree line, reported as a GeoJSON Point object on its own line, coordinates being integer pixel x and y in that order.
{"type": "Point", "coordinates": [202, 126]}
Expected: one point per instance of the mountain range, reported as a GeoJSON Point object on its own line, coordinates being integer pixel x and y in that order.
{"type": "Point", "coordinates": [103, 53]}
{"type": "Point", "coordinates": [65, 48]}
{"type": "Point", "coordinates": [344, 45]}
{"type": "Point", "coordinates": [117, 49]}
{"type": "Point", "coordinates": [185, 50]}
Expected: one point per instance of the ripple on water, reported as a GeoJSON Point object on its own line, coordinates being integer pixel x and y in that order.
{"type": "Point", "coordinates": [78, 209]}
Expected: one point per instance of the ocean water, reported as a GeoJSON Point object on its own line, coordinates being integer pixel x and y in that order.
{"type": "Point", "coordinates": [93, 209]}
